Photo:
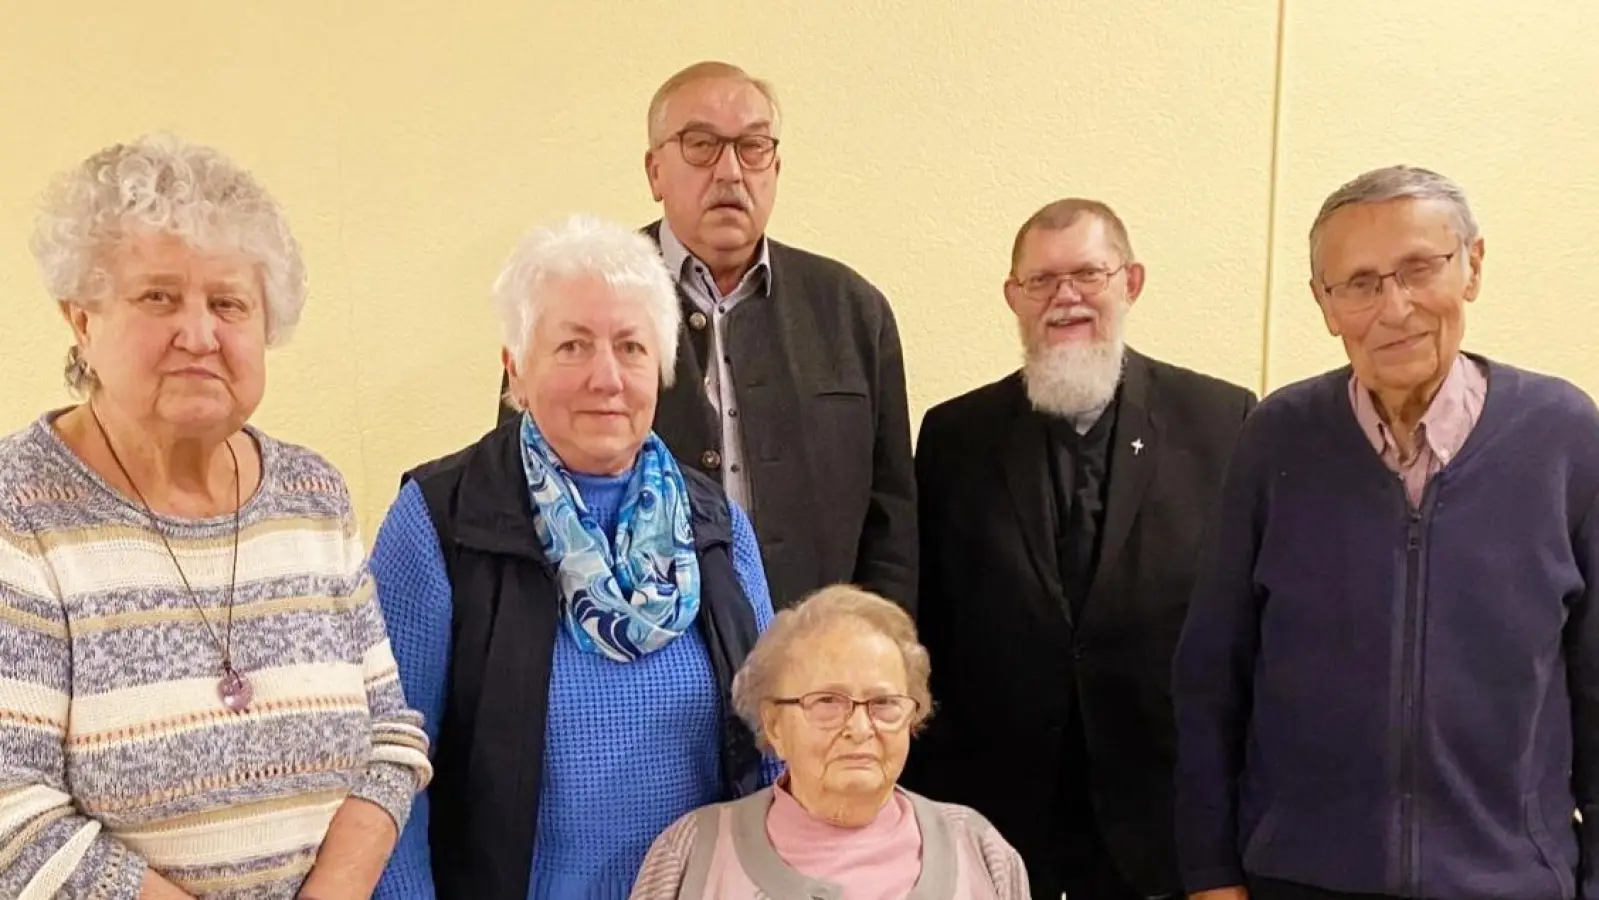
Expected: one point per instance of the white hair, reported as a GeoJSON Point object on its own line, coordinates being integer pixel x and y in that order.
{"type": "Point", "coordinates": [627, 261]}
{"type": "Point", "coordinates": [785, 640]}
{"type": "Point", "coordinates": [163, 183]}
{"type": "Point", "coordinates": [1069, 380]}
{"type": "Point", "coordinates": [1397, 183]}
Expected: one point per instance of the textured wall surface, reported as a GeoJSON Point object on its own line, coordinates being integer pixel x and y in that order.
{"type": "Point", "coordinates": [412, 142]}
{"type": "Point", "coordinates": [1501, 96]}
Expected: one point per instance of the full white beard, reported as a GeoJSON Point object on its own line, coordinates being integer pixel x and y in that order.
{"type": "Point", "coordinates": [1069, 380]}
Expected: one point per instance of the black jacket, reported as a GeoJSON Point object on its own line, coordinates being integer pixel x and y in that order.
{"type": "Point", "coordinates": [489, 760]}
{"type": "Point", "coordinates": [1008, 660]}
{"type": "Point", "coordinates": [820, 381]}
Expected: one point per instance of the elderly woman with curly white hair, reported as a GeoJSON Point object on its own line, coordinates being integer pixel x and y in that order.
{"type": "Point", "coordinates": [568, 604]}
{"type": "Point", "coordinates": [836, 687]}
{"type": "Point", "coordinates": [197, 697]}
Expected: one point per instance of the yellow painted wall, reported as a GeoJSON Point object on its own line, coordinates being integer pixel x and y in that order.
{"type": "Point", "coordinates": [413, 141]}
{"type": "Point", "coordinates": [1503, 96]}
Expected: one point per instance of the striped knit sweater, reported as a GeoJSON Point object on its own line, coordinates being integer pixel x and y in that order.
{"type": "Point", "coordinates": [115, 751]}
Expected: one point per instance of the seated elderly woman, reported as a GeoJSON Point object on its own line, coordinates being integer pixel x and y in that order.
{"type": "Point", "coordinates": [198, 698]}
{"type": "Point", "coordinates": [836, 687]}
{"type": "Point", "coordinates": [568, 605]}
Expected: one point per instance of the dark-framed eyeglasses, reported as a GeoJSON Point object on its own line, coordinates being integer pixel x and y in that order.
{"type": "Point", "coordinates": [703, 148]}
{"type": "Point", "coordinates": [1085, 282]}
{"type": "Point", "coordinates": [1365, 291]}
{"type": "Point", "coordinates": [829, 710]}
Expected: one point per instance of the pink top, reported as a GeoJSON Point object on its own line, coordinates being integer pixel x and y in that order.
{"type": "Point", "coordinates": [1441, 433]}
{"type": "Point", "coordinates": [766, 846]}
{"type": "Point", "coordinates": [880, 861]}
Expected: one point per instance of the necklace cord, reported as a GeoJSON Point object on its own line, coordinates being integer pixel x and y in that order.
{"type": "Point", "coordinates": [224, 644]}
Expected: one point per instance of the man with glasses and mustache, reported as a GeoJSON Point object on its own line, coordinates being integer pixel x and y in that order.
{"type": "Point", "coordinates": [1388, 685]}
{"type": "Point", "coordinates": [1061, 510]}
{"type": "Point", "coordinates": [790, 383]}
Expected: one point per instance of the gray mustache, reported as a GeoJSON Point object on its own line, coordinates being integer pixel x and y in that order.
{"type": "Point", "coordinates": [733, 197]}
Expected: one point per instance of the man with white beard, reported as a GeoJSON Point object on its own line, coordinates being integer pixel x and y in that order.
{"type": "Point", "coordinates": [1061, 512]}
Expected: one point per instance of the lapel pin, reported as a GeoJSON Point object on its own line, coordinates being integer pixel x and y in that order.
{"type": "Point", "coordinates": [1138, 446]}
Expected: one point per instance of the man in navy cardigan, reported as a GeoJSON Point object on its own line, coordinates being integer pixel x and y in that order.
{"type": "Point", "coordinates": [1387, 682]}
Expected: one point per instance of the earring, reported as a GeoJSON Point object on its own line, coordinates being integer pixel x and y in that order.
{"type": "Point", "coordinates": [79, 372]}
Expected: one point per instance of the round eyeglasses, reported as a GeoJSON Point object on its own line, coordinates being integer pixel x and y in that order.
{"type": "Point", "coordinates": [1364, 291]}
{"type": "Point", "coordinates": [1086, 282]}
{"type": "Point", "coordinates": [703, 149]}
{"type": "Point", "coordinates": [829, 710]}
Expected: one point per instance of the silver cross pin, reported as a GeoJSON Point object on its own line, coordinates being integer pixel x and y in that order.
{"type": "Point", "coordinates": [1138, 446]}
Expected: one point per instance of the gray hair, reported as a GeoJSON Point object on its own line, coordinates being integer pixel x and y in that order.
{"type": "Point", "coordinates": [162, 183]}
{"type": "Point", "coordinates": [756, 682]}
{"type": "Point", "coordinates": [706, 71]}
{"type": "Point", "coordinates": [577, 246]}
{"type": "Point", "coordinates": [1397, 183]}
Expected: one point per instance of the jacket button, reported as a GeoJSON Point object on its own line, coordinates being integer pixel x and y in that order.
{"type": "Point", "coordinates": [710, 459]}
{"type": "Point", "coordinates": [697, 320]}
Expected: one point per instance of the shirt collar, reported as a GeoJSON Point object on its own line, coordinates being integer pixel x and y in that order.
{"type": "Point", "coordinates": [1078, 423]}
{"type": "Point", "coordinates": [1084, 422]}
{"type": "Point", "coordinates": [677, 259]}
{"type": "Point", "coordinates": [1447, 422]}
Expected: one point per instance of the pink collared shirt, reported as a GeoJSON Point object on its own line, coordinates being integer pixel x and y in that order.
{"type": "Point", "coordinates": [1441, 433]}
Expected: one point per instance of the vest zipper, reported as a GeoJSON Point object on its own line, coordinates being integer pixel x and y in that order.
{"type": "Point", "coordinates": [1409, 699]}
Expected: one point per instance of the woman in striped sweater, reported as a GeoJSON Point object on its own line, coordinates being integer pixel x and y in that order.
{"type": "Point", "coordinates": [197, 698]}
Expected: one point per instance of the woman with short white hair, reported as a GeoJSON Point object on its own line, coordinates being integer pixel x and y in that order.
{"type": "Point", "coordinates": [197, 696]}
{"type": "Point", "coordinates": [569, 605]}
{"type": "Point", "coordinates": [836, 687]}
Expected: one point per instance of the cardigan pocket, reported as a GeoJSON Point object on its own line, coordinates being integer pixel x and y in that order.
{"type": "Point", "coordinates": [1548, 851]}
{"type": "Point", "coordinates": [843, 430]}
{"type": "Point", "coordinates": [1260, 836]}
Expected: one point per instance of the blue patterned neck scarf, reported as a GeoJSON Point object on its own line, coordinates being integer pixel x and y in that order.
{"type": "Point", "coordinates": [637, 598]}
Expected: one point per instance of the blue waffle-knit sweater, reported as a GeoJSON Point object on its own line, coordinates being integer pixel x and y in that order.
{"type": "Point", "coordinates": [628, 748]}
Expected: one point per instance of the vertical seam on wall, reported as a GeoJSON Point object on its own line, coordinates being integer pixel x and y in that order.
{"type": "Point", "coordinates": [1271, 195]}
{"type": "Point", "coordinates": [340, 153]}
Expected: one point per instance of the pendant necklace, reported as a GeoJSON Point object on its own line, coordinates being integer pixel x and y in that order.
{"type": "Point", "coordinates": [233, 688]}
